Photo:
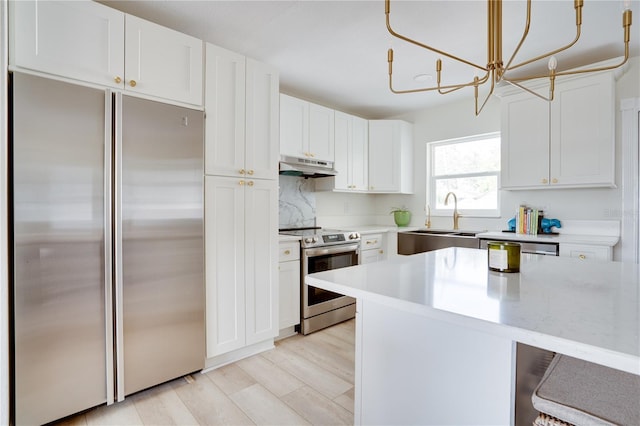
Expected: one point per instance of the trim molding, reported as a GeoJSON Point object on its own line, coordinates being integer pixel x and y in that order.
{"type": "Point", "coordinates": [630, 155]}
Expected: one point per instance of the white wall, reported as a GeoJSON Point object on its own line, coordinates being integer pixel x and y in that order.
{"type": "Point", "coordinates": [458, 120]}
{"type": "Point", "coordinates": [4, 260]}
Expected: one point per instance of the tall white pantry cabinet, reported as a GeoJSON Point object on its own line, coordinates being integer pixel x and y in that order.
{"type": "Point", "coordinates": [241, 203]}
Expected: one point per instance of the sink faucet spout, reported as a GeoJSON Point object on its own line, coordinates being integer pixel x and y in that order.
{"type": "Point", "coordinates": [456, 215]}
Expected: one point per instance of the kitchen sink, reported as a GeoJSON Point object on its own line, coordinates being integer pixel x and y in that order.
{"type": "Point", "coordinates": [431, 232]}
{"type": "Point", "coordinates": [422, 240]}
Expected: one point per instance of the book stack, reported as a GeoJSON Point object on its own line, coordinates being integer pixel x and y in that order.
{"type": "Point", "coordinates": [527, 220]}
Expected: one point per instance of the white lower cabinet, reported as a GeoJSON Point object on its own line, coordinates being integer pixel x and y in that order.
{"type": "Point", "coordinates": [371, 248]}
{"type": "Point", "coordinates": [586, 251]}
{"type": "Point", "coordinates": [241, 218]}
{"type": "Point", "coordinates": [289, 283]}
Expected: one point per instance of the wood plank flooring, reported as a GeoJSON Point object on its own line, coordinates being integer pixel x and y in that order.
{"type": "Point", "coordinates": [304, 380]}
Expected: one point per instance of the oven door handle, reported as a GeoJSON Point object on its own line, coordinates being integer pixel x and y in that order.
{"type": "Point", "coordinates": [310, 252]}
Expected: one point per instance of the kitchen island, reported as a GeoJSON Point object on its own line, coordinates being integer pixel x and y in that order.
{"type": "Point", "coordinates": [436, 331]}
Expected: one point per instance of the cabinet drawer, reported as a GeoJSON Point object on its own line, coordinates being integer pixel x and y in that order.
{"type": "Point", "coordinates": [586, 252]}
{"type": "Point", "coordinates": [372, 241]}
{"type": "Point", "coordinates": [289, 251]}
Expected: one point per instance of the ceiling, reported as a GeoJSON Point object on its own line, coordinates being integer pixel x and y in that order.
{"type": "Point", "coordinates": [335, 52]}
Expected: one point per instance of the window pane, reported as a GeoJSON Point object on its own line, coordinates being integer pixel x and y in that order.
{"type": "Point", "coordinates": [467, 157]}
{"type": "Point", "coordinates": [472, 192]}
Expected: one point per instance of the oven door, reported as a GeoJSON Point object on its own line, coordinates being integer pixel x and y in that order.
{"type": "Point", "coordinates": [316, 301]}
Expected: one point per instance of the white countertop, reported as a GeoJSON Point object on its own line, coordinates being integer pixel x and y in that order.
{"type": "Point", "coordinates": [601, 240]}
{"type": "Point", "coordinates": [285, 238]}
{"type": "Point", "coordinates": [375, 229]}
{"type": "Point", "coordinates": [589, 310]}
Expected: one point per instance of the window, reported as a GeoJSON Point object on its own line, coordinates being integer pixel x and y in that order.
{"type": "Point", "coordinates": [468, 167]}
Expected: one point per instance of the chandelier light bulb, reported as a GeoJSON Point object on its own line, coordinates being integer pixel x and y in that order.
{"type": "Point", "coordinates": [553, 63]}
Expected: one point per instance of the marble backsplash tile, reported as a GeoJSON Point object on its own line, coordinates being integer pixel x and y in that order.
{"type": "Point", "coordinates": [297, 202]}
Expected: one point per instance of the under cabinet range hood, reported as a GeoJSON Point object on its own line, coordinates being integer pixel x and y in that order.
{"type": "Point", "coordinates": [306, 167]}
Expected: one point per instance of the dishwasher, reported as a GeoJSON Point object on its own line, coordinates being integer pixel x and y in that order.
{"type": "Point", "coordinates": [531, 362]}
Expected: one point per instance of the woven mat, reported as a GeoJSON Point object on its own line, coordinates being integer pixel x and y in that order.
{"type": "Point", "coordinates": [547, 420]}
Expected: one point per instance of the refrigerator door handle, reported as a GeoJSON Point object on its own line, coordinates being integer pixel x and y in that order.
{"type": "Point", "coordinates": [108, 244]}
{"type": "Point", "coordinates": [117, 224]}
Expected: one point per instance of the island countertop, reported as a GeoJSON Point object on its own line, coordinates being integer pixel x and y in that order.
{"type": "Point", "coordinates": [588, 310]}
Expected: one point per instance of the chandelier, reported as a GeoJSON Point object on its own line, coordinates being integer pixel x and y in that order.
{"type": "Point", "coordinates": [495, 71]}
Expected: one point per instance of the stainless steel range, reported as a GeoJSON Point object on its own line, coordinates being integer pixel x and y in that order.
{"type": "Point", "coordinates": [323, 250]}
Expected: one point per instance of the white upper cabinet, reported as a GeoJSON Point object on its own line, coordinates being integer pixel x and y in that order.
{"type": "Point", "coordinates": [351, 152]}
{"type": "Point", "coordinates": [241, 104]}
{"type": "Point", "coordinates": [224, 104]}
{"type": "Point", "coordinates": [306, 129]}
{"type": "Point", "coordinates": [262, 126]}
{"type": "Point", "coordinates": [81, 40]}
{"type": "Point", "coordinates": [390, 156]}
{"type": "Point", "coordinates": [569, 142]}
{"type": "Point", "coordinates": [321, 133]}
{"type": "Point", "coordinates": [162, 62]}
{"type": "Point", "coordinates": [583, 132]}
{"type": "Point", "coordinates": [525, 141]}
{"type": "Point", "coordinates": [90, 42]}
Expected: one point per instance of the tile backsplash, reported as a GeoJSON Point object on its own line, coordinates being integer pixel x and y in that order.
{"type": "Point", "coordinates": [297, 202]}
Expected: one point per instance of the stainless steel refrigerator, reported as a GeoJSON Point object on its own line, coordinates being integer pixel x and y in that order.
{"type": "Point", "coordinates": [107, 246]}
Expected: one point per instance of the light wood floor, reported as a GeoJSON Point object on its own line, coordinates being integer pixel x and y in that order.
{"type": "Point", "coordinates": [304, 380]}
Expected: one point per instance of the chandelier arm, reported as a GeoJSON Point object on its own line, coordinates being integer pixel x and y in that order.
{"type": "Point", "coordinates": [478, 111]}
{"type": "Point", "coordinates": [526, 89]}
{"type": "Point", "coordinates": [509, 67]}
{"type": "Point", "coordinates": [428, 89]}
{"type": "Point", "coordinates": [525, 33]}
{"type": "Point", "coordinates": [424, 46]}
{"type": "Point", "coordinates": [581, 71]}
{"type": "Point", "coordinates": [546, 55]}
{"type": "Point", "coordinates": [479, 82]}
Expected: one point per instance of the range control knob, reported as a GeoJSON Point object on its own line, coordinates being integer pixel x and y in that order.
{"type": "Point", "coordinates": [314, 240]}
{"type": "Point", "coordinates": [308, 240]}
{"type": "Point", "coordinates": [354, 236]}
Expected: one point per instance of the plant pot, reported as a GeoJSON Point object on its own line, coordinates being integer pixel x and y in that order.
{"type": "Point", "coordinates": [402, 218]}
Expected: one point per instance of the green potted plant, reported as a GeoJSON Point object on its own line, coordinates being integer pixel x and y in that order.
{"type": "Point", "coordinates": [401, 215]}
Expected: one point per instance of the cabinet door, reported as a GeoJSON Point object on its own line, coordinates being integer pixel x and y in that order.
{"type": "Point", "coordinates": [343, 149]}
{"type": "Point", "coordinates": [525, 142]}
{"type": "Point", "coordinates": [75, 39]}
{"type": "Point", "coordinates": [586, 251]}
{"type": "Point", "coordinates": [289, 283]}
{"type": "Point", "coordinates": [359, 157]}
{"type": "Point", "coordinates": [384, 156]}
{"type": "Point", "coordinates": [371, 256]}
{"type": "Point", "coordinates": [582, 132]}
{"type": "Point", "coordinates": [262, 121]}
{"type": "Point", "coordinates": [225, 260]}
{"type": "Point", "coordinates": [294, 127]}
{"type": "Point", "coordinates": [321, 137]}
{"type": "Point", "coordinates": [261, 259]}
{"type": "Point", "coordinates": [225, 106]}
{"type": "Point", "coordinates": [162, 62]}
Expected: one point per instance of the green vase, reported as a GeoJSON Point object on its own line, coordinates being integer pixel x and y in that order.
{"type": "Point", "coordinates": [402, 218]}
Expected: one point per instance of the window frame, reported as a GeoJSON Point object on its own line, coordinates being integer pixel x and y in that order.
{"type": "Point", "coordinates": [430, 181]}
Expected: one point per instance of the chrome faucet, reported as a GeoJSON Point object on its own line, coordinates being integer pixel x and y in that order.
{"type": "Point", "coordinates": [455, 208]}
